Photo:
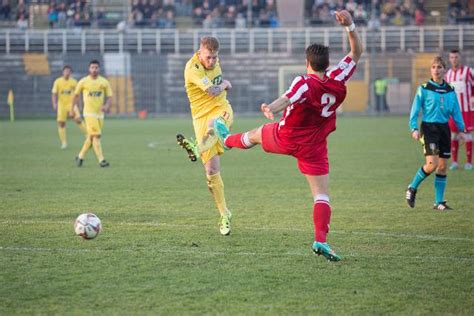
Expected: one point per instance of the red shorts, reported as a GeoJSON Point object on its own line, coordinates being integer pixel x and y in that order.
{"type": "Point", "coordinates": [312, 159]}
{"type": "Point", "coordinates": [468, 122]}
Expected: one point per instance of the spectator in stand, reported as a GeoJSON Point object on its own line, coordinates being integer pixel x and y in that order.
{"type": "Point", "coordinates": [52, 15]}
{"type": "Point", "coordinates": [135, 5]}
{"type": "Point", "coordinates": [155, 5]}
{"type": "Point", "coordinates": [101, 17]}
{"type": "Point", "coordinates": [77, 20]}
{"type": "Point", "coordinates": [76, 7]}
{"type": "Point", "coordinates": [207, 7]}
{"type": "Point", "coordinates": [168, 5]}
{"type": "Point", "coordinates": [146, 10]}
{"type": "Point", "coordinates": [169, 22]}
{"type": "Point", "coordinates": [351, 6]}
{"type": "Point", "coordinates": [240, 21]}
{"type": "Point", "coordinates": [229, 17]}
{"type": "Point", "coordinates": [198, 16]}
{"type": "Point", "coordinates": [419, 17]}
{"type": "Point", "coordinates": [398, 19]}
{"type": "Point", "coordinates": [21, 10]}
{"type": "Point", "coordinates": [22, 23]}
{"type": "Point", "coordinates": [407, 11]}
{"type": "Point", "coordinates": [62, 15]}
{"type": "Point", "coordinates": [360, 15]}
{"type": "Point", "coordinates": [5, 9]}
{"type": "Point", "coordinates": [86, 22]}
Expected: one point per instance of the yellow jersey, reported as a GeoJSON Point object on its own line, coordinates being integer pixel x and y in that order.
{"type": "Point", "coordinates": [197, 80]}
{"type": "Point", "coordinates": [93, 92]}
{"type": "Point", "coordinates": [65, 91]}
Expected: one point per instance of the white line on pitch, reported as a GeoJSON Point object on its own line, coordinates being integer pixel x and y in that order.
{"type": "Point", "coordinates": [225, 253]}
{"type": "Point", "coordinates": [290, 229]}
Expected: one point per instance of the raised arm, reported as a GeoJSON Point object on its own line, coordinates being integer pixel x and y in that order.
{"type": "Point", "coordinates": [296, 92]}
{"type": "Point", "coordinates": [275, 107]}
{"type": "Point", "coordinates": [345, 19]}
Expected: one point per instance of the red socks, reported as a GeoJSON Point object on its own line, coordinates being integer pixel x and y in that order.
{"type": "Point", "coordinates": [240, 140]}
{"type": "Point", "coordinates": [454, 149]}
{"type": "Point", "coordinates": [321, 217]}
{"type": "Point", "coordinates": [469, 151]}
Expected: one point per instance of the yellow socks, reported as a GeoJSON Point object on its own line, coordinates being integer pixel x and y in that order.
{"type": "Point", "coordinates": [82, 127]}
{"type": "Point", "coordinates": [216, 186]}
{"type": "Point", "coordinates": [97, 148]}
{"type": "Point", "coordinates": [62, 135]}
{"type": "Point", "coordinates": [85, 147]}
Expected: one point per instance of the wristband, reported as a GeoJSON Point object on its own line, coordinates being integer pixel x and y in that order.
{"type": "Point", "coordinates": [351, 27]}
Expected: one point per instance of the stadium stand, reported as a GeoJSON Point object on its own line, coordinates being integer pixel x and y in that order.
{"type": "Point", "coordinates": [165, 14]}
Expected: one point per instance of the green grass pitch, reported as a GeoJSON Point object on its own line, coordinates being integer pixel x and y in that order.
{"type": "Point", "coordinates": [160, 251]}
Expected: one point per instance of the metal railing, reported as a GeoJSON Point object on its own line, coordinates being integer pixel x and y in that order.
{"type": "Point", "coordinates": [234, 41]}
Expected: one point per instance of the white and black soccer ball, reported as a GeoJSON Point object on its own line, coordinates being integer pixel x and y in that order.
{"type": "Point", "coordinates": [87, 225]}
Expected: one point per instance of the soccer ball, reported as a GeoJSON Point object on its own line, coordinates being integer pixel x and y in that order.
{"type": "Point", "coordinates": [87, 226]}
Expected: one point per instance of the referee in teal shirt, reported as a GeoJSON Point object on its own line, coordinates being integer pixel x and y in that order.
{"type": "Point", "coordinates": [437, 100]}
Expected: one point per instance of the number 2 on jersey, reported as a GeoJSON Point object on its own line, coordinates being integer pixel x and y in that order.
{"type": "Point", "coordinates": [327, 100]}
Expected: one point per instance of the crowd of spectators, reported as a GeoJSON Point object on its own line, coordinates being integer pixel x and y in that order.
{"type": "Point", "coordinates": [204, 13]}
{"type": "Point", "coordinates": [388, 12]}
{"type": "Point", "coordinates": [229, 13]}
{"type": "Point", "coordinates": [458, 12]}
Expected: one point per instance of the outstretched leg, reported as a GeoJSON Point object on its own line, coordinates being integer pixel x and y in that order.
{"type": "Point", "coordinates": [239, 140]}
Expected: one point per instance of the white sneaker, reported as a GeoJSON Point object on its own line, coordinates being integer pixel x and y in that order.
{"type": "Point", "coordinates": [468, 166]}
{"type": "Point", "coordinates": [63, 146]}
{"type": "Point", "coordinates": [454, 166]}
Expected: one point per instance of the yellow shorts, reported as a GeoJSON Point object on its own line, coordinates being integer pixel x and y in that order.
{"type": "Point", "coordinates": [201, 126]}
{"type": "Point", "coordinates": [94, 125]}
{"type": "Point", "coordinates": [63, 113]}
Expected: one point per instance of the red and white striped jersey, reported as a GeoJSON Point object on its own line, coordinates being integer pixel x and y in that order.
{"type": "Point", "coordinates": [311, 117]}
{"type": "Point", "coordinates": [463, 81]}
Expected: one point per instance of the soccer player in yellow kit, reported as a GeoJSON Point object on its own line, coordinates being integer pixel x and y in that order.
{"type": "Point", "coordinates": [61, 97]}
{"type": "Point", "coordinates": [207, 93]}
{"type": "Point", "coordinates": [97, 98]}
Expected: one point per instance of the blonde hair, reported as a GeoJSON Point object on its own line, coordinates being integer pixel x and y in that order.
{"type": "Point", "coordinates": [439, 60]}
{"type": "Point", "coordinates": [210, 43]}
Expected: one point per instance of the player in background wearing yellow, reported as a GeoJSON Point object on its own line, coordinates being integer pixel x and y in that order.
{"type": "Point", "coordinates": [61, 97]}
{"type": "Point", "coordinates": [207, 93]}
{"type": "Point", "coordinates": [96, 98]}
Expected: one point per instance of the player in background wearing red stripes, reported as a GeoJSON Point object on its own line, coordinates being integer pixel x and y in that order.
{"type": "Point", "coordinates": [461, 77]}
{"type": "Point", "coordinates": [309, 117]}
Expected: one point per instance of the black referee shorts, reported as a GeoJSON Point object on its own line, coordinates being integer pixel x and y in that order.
{"type": "Point", "coordinates": [436, 139]}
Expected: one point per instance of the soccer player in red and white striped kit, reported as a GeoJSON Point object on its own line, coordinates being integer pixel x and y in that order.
{"type": "Point", "coordinates": [309, 117]}
{"type": "Point", "coordinates": [462, 78]}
